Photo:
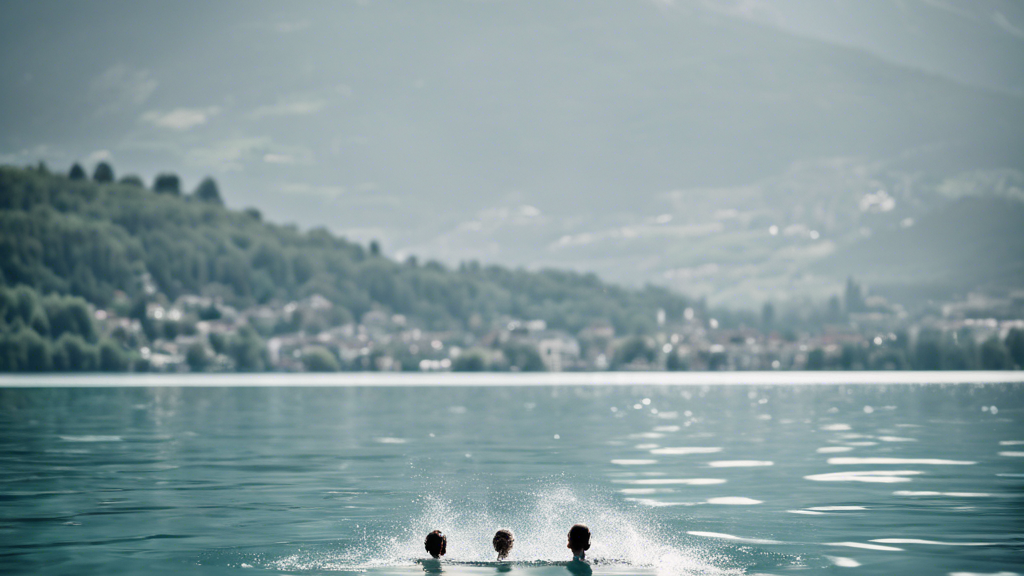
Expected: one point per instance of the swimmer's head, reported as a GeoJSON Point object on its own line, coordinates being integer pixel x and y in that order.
{"type": "Point", "coordinates": [436, 543]}
{"type": "Point", "coordinates": [503, 540]}
{"type": "Point", "coordinates": [579, 539]}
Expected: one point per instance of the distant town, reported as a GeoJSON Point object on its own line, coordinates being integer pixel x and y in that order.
{"type": "Point", "coordinates": [200, 334]}
{"type": "Point", "coordinates": [109, 275]}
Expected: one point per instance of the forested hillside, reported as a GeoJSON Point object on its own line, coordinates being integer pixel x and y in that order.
{"type": "Point", "coordinates": [106, 242]}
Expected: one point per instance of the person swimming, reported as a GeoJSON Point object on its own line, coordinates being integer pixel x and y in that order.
{"type": "Point", "coordinates": [436, 543]}
{"type": "Point", "coordinates": [579, 541]}
{"type": "Point", "coordinates": [502, 542]}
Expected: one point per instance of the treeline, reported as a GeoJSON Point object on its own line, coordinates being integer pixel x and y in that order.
{"type": "Point", "coordinates": [930, 350]}
{"type": "Point", "coordinates": [71, 236]}
{"type": "Point", "coordinates": [53, 333]}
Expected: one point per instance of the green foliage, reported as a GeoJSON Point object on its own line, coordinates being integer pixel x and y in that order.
{"type": "Point", "coordinates": [993, 355]}
{"type": "Point", "coordinates": [89, 240]}
{"type": "Point", "coordinates": [888, 358]}
{"type": "Point", "coordinates": [196, 357]}
{"type": "Point", "coordinates": [816, 359]}
{"type": "Point", "coordinates": [469, 362]}
{"type": "Point", "coordinates": [83, 242]}
{"type": "Point", "coordinates": [132, 180]}
{"type": "Point", "coordinates": [633, 349]}
{"type": "Point", "coordinates": [104, 173]}
{"type": "Point", "coordinates": [167, 184]}
{"type": "Point", "coordinates": [928, 352]}
{"type": "Point", "coordinates": [25, 350]}
{"type": "Point", "coordinates": [76, 172]}
{"type": "Point", "coordinates": [1015, 346]}
{"type": "Point", "coordinates": [676, 363]}
{"type": "Point", "coordinates": [522, 357]}
{"type": "Point", "coordinates": [248, 351]}
{"type": "Point", "coordinates": [207, 191]}
{"type": "Point", "coordinates": [113, 358]}
{"type": "Point", "coordinates": [50, 316]}
{"type": "Point", "coordinates": [852, 357]}
{"type": "Point", "coordinates": [219, 343]}
{"type": "Point", "coordinates": [319, 359]}
{"type": "Point", "coordinates": [76, 354]}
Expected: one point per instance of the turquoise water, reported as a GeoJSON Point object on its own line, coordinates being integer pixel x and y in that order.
{"type": "Point", "coordinates": [810, 479]}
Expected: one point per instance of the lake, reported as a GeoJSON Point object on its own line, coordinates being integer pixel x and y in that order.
{"type": "Point", "coordinates": [741, 474]}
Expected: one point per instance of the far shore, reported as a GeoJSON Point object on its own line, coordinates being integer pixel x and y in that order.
{"type": "Point", "coordinates": [420, 379]}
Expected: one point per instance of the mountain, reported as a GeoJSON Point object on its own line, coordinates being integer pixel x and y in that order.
{"type": "Point", "coordinates": [643, 141]}
{"type": "Point", "coordinates": [968, 243]}
{"type": "Point", "coordinates": [119, 244]}
{"type": "Point", "coordinates": [975, 42]}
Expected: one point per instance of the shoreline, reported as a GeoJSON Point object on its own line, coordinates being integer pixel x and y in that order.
{"type": "Point", "coordinates": [467, 379]}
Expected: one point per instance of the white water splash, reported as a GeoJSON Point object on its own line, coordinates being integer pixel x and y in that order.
{"type": "Point", "coordinates": [620, 537]}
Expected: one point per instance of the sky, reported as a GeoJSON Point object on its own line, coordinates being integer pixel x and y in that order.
{"type": "Point", "coordinates": [603, 136]}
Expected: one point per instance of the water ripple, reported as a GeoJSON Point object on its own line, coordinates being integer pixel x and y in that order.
{"type": "Point", "coordinates": [740, 463]}
{"type": "Point", "coordinates": [866, 546]}
{"type": "Point", "coordinates": [876, 476]}
{"type": "Point", "coordinates": [930, 542]}
{"type": "Point", "coordinates": [846, 460]}
{"type": "Point", "coordinates": [683, 450]}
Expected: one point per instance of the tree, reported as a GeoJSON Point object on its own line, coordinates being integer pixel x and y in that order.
{"type": "Point", "coordinates": [167, 184]}
{"type": "Point", "coordinates": [676, 363]}
{"type": "Point", "coordinates": [851, 357]}
{"type": "Point", "coordinates": [994, 356]}
{"type": "Point", "coordinates": [248, 351]}
{"type": "Point", "coordinates": [207, 191]}
{"type": "Point", "coordinates": [79, 354]}
{"type": "Point", "coordinates": [103, 173]}
{"type": "Point", "coordinates": [77, 172]}
{"type": "Point", "coordinates": [633, 349]}
{"type": "Point", "coordinates": [196, 357]}
{"type": "Point", "coordinates": [469, 362]}
{"type": "Point", "coordinates": [218, 342]}
{"type": "Point", "coordinates": [374, 248]}
{"type": "Point", "coordinates": [816, 359]}
{"type": "Point", "coordinates": [928, 351]}
{"type": "Point", "coordinates": [319, 359]}
{"type": "Point", "coordinates": [523, 357]}
{"type": "Point", "coordinates": [132, 180]}
{"type": "Point", "coordinates": [1015, 346]}
{"type": "Point", "coordinates": [112, 357]}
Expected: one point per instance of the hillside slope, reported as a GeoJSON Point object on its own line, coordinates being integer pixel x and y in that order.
{"type": "Point", "coordinates": [972, 242]}
{"type": "Point", "coordinates": [91, 240]}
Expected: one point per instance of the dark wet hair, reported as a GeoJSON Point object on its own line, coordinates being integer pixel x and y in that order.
{"type": "Point", "coordinates": [436, 543]}
{"type": "Point", "coordinates": [503, 540]}
{"type": "Point", "coordinates": [579, 537]}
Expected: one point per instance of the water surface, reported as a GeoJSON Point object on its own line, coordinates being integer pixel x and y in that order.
{"type": "Point", "coordinates": [738, 479]}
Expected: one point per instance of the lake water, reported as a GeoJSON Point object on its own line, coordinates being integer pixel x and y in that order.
{"type": "Point", "coordinates": [672, 479]}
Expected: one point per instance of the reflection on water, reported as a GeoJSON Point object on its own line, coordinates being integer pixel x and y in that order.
{"type": "Point", "coordinates": [697, 480]}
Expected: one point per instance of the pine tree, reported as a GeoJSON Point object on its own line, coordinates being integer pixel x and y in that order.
{"type": "Point", "coordinates": [167, 184]}
{"type": "Point", "coordinates": [77, 172]}
{"type": "Point", "coordinates": [103, 173]}
{"type": "Point", "coordinates": [207, 191]}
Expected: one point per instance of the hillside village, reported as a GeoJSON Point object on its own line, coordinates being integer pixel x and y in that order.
{"type": "Point", "coordinates": [980, 332]}
{"type": "Point", "coordinates": [113, 276]}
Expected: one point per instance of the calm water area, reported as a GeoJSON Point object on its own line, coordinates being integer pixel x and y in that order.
{"type": "Point", "coordinates": [672, 479]}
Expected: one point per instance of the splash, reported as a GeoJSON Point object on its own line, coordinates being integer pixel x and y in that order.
{"type": "Point", "coordinates": [540, 519]}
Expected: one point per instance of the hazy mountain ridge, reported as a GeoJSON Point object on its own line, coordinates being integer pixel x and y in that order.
{"type": "Point", "coordinates": [976, 42]}
{"type": "Point", "coordinates": [527, 133]}
{"type": "Point", "coordinates": [107, 242]}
